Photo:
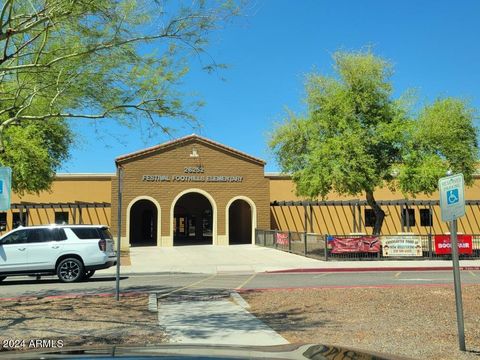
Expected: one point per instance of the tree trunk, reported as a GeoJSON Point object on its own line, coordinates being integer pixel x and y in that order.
{"type": "Point", "coordinates": [379, 213]}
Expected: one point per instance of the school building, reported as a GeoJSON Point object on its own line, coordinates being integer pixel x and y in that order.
{"type": "Point", "coordinates": [196, 191]}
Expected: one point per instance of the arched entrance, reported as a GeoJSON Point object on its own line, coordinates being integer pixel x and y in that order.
{"type": "Point", "coordinates": [240, 222]}
{"type": "Point", "coordinates": [143, 223]}
{"type": "Point", "coordinates": [193, 220]}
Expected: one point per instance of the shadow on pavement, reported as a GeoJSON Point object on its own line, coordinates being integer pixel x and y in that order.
{"type": "Point", "coordinates": [80, 291]}
{"type": "Point", "coordinates": [106, 285]}
{"type": "Point", "coordinates": [34, 281]}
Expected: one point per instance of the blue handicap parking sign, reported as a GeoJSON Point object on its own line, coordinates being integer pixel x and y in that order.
{"type": "Point", "coordinates": [452, 196]}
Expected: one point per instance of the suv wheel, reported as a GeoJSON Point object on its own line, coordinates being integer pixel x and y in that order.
{"type": "Point", "coordinates": [70, 270]}
{"type": "Point", "coordinates": [89, 274]}
{"type": "Point", "coordinates": [2, 278]}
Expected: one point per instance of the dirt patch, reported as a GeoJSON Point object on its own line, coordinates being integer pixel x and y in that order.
{"type": "Point", "coordinates": [417, 322]}
{"type": "Point", "coordinates": [78, 321]}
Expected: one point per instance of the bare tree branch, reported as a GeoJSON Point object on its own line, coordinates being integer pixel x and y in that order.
{"type": "Point", "coordinates": [82, 59]}
{"type": "Point", "coordinates": [4, 9]}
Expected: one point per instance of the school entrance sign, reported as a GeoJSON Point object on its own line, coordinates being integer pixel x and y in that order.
{"type": "Point", "coordinates": [452, 199]}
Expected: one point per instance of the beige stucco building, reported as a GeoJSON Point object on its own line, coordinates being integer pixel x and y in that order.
{"type": "Point", "coordinates": [191, 190]}
{"type": "Point", "coordinates": [196, 191]}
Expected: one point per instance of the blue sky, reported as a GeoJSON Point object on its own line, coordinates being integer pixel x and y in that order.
{"type": "Point", "coordinates": [433, 45]}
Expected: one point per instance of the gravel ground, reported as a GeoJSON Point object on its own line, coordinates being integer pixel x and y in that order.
{"type": "Point", "coordinates": [78, 321]}
{"type": "Point", "coordinates": [416, 322]}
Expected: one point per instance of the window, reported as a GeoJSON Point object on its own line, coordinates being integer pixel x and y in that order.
{"type": "Point", "coordinates": [3, 221]}
{"type": "Point", "coordinates": [207, 223]}
{"type": "Point", "coordinates": [369, 217]}
{"type": "Point", "coordinates": [45, 235]}
{"type": "Point", "coordinates": [86, 233]}
{"type": "Point", "coordinates": [39, 235]}
{"type": "Point", "coordinates": [426, 218]}
{"type": "Point", "coordinates": [61, 234]}
{"type": "Point", "coordinates": [16, 222]}
{"type": "Point", "coordinates": [18, 237]}
{"type": "Point", "coordinates": [106, 234]}
{"type": "Point", "coordinates": [61, 217]}
{"type": "Point", "coordinates": [411, 217]}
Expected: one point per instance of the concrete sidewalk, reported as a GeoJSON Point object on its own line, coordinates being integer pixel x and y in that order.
{"type": "Point", "coordinates": [208, 259]}
{"type": "Point", "coordinates": [219, 322]}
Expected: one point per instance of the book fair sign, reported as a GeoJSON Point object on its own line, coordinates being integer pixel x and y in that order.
{"type": "Point", "coordinates": [402, 246]}
{"type": "Point", "coordinates": [443, 245]}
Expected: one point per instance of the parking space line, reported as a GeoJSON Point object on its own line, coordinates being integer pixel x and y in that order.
{"type": "Point", "coordinates": [398, 274]}
{"type": "Point", "coordinates": [321, 275]}
{"type": "Point", "coordinates": [246, 281]}
{"type": "Point", "coordinates": [473, 274]}
{"type": "Point", "coordinates": [188, 286]}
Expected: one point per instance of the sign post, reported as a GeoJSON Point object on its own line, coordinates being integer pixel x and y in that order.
{"type": "Point", "coordinates": [119, 230]}
{"type": "Point", "coordinates": [452, 205]}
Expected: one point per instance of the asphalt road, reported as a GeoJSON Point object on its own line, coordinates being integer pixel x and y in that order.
{"type": "Point", "coordinates": [168, 283]}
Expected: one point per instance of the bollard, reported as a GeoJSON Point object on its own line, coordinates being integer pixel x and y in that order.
{"type": "Point", "coordinates": [326, 247]}
{"type": "Point", "coordinates": [305, 250]}
{"type": "Point", "coordinates": [430, 247]}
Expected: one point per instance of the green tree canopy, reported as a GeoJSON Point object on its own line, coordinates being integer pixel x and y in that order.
{"type": "Point", "coordinates": [355, 137]}
{"type": "Point", "coordinates": [93, 59]}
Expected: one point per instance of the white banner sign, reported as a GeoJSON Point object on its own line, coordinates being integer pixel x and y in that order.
{"type": "Point", "coordinates": [402, 246]}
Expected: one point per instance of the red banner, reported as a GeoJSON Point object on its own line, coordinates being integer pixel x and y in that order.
{"type": "Point", "coordinates": [443, 245]}
{"type": "Point", "coordinates": [282, 238]}
{"type": "Point", "coordinates": [365, 244]}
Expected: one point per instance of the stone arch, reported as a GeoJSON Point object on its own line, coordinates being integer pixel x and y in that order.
{"type": "Point", "coordinates": [159, 216]}
{"type": "Point", "coordinates": [212, 203]}
{"type": "Point", "coordinates": [253, 209]}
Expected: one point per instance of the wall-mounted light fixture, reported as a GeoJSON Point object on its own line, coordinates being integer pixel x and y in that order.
{"type": "Point", "coordinates": [194, 153]}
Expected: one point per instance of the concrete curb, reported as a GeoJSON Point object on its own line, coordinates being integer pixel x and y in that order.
{"type": "Point", "coordinates": [110, 274]}
{"type": "Point", "coordinates": [363, 269]}
{"type": "Point", "coordinates": [239, 300]}
{"type": "Point", "coordinates": [69, 296]}
{"type": "Point", "coordinates": [330, 287]}
{"type": "Point", "coordinates": [152, 302]}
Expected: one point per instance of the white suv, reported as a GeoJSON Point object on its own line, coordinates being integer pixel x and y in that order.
{"type": "Point", "coordinates": [73, 252]}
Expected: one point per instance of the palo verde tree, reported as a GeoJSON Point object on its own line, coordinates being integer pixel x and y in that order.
{"type": "Point", "coordinates": [355, 138]}
{"type": "Point", "coordinates": [93, 59]}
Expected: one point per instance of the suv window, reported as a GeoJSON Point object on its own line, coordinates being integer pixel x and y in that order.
{"type": "Point", "coordinates": [86, 233]}
{"type": "Point", "coordinates": [18, 237]}
{"type": "Point", "coordinates": [44, 235]}
{"type": "Point", "coordinates": [106, 234]}
{"type": "Point", "coordinates": [61, 234]}
{"type": "Point", "coordinates": [39, 235]}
